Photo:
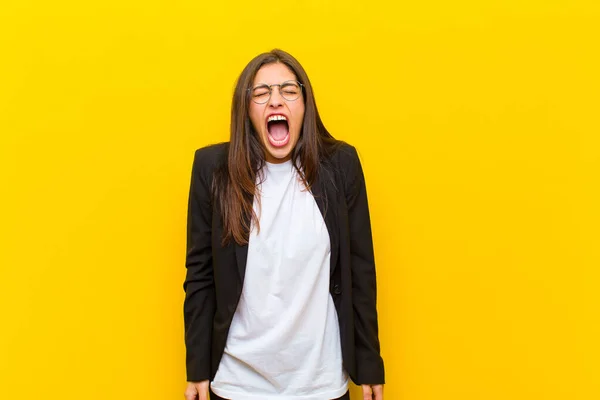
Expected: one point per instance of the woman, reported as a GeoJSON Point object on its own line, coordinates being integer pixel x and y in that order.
{"type": "Point", "coordinates": [280, 287]}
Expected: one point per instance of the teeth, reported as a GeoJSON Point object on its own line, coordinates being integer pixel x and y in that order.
{"type": "Point", "coordinates": [277, 118]}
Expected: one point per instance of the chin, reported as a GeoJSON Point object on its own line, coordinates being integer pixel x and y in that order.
{"type": "Point", "coordinates": [282, 153]}
{"type": "Point", "coordinates": [278, 154]}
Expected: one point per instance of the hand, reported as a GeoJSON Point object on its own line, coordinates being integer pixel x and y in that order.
{"type": "Point", "coordinates": [197, 390]}
{"type": "Point", "coordinates": [372, 392]}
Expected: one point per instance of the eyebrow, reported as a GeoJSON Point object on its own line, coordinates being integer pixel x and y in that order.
{"type": "Point", "coordinates": [266, 84]}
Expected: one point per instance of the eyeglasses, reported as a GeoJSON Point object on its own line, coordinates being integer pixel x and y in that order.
{"type": "Point", "coordinates": [289, 90]}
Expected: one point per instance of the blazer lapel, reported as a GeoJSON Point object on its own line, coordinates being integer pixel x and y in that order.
{"type": "Point", "coordinates": [329, 210]}
{"type": "Point", "coordinates": [241, 255]}
{"type": "Point", "coordinates": [232, 248]}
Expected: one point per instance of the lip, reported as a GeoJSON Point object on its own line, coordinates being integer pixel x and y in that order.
{"type": "Point", "coordinates": [277, 113]}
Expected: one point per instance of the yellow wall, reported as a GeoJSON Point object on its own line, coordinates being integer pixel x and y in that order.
{"type": "Point", "coordinates": [478, 126]}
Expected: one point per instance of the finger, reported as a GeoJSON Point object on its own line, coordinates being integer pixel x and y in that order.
{"type": "Point", "coordinates": [202, 392]}
{"type": "Point", "coordinates": [378, 391]}
{"type": "Point", "coordinates": [367, 393]}
{"type": "Point", "coordinates": [190, 393]}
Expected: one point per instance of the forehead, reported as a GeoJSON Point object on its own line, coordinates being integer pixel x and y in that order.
{"type": "Point", "coordinates": [274, 73]}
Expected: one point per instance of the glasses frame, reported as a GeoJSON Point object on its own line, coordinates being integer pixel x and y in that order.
{"type": "Point", "coordinates": [270, 87]}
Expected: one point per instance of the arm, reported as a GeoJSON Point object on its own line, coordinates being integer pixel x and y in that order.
{"type": "Point", "coordinates": [370, 368]}
{"type": "Point", "coordinates": [199, 303]}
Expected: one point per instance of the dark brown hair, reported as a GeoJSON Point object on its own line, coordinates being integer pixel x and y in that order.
{"type": "Point", "coordinates": [234, 185]}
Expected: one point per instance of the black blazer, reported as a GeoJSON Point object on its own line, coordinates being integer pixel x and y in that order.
{"type": "Point", "coordinates": [215, 273]}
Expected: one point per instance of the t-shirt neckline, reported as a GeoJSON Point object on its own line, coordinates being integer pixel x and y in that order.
{"type": "Point", "coordinates": [279, 166]}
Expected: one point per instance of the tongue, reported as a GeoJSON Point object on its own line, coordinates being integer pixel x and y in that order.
{"type": "Point", "coordinates": [278, 129]}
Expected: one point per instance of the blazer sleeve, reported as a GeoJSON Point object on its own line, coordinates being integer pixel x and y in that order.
{"type": "Point", "coordinates": [199, 303]}
{"type": "Point", "coordinates": [369, 363]}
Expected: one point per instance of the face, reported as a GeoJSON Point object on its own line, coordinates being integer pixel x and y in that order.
{"type": "Point", "coordinates": [278, 122]}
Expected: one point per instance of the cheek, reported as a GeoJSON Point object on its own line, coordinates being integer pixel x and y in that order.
{"type": "Point", "coordinates": [300, 113]}
{"type": "Point", "coordinates": [256, 118]}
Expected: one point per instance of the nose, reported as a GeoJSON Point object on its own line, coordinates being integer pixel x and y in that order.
{"type": "Point", "coordinates": [276, 100]}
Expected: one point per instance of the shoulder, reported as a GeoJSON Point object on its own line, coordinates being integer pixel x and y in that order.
{"type": "Point", "coordinates": [347, 153]}
{"type": "Point", "coordinates": [211, 152]}
{"type": "Point", "coordinates": [209, 157]}
{"type": "Point", "coordinates": [342, 154]}
{"type": "Point", "coordinates": [344, 157]}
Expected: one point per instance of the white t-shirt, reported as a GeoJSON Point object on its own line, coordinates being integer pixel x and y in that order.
{"type": "Point", "coordinates": [284, 340]}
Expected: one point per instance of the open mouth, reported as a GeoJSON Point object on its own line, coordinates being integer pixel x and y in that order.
{"type": "Point", "coordinates": [278, 130]}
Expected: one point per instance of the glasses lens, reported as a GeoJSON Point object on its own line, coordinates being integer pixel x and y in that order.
{"type": "Point", "coordinates": [260, 94]}
{"type": "Point", "coordinates": [290, 90]}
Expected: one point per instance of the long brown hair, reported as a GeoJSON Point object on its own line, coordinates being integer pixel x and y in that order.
{"type": "Point", "coordinates": [234, 185]}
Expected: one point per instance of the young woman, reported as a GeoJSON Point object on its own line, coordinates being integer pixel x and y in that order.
{"type": "Point", "coordinates": [280, 288]}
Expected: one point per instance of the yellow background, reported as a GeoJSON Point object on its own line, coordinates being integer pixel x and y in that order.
{"type": "Point", "coordinates": [478, 127]}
